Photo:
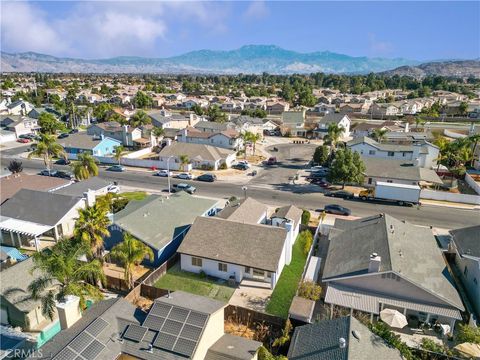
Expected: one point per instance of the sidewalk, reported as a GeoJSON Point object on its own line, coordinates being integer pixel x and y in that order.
{"type": "Point", "coordinates": [449, 204]}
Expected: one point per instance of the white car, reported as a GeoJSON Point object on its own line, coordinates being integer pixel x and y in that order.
{"type": "Point", "coordinates": [114, 189]}
{"type": "Point", "coordinates": [243, 162]}
{"type": "Point", "coordinates": [185, 176]}
{"type": "Point", "coordinates": [164, 173]}
{"type": "Point", "coordinates": [316, 168]}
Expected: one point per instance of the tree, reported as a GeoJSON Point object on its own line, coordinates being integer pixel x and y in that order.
{"type": "Point", "coordinates": [254, 139]}
{"type": "Point", "coordinates": [130, 252]}
{"type": "Point", "coordinates": [307, 240]}
{"type": "Point", "coordinates": [379, 135]}
{"type": "Point", "coordinates": [334, 133]}
{"type": "Point", "coordinates": [215, 114]}
{"type": "Point", "coordinates": [49, 124]}
{"type": "Point", "coordinates": [142, 100]}
{"type": "Point", "coordinates": [463, 107]}
{"type": "Point", "coordinates": [158, 132]}
{"type": "Point", "coordinates": [63, 274]}
{"type": "Point", "coordinates": [119, 152]}
{"type": "Point", "coordinates": [347, 167]}
{"type": "Point", "coordinates": [285, 337]}
{"type": "Point", "coordinates": [140, 118]}
{"type": "Point", "coordinates": [184, 160]}
{"type": "Point", "coordinates": [92, 226]}
{"type": "Point", "coordinates": [309, 290]}
{"type": "Point", "coordinates": [320, 156]}
{"type": "Point", "coordinates": [306, 217]}
{"type": "Point", "coordinates": [101, 111]}
{"type": "Point", "coordinates": [15, 167]}
{"type": "Point", "coordinates": [469, 334]}
{"type": "Point", "coordinates": [85, 166]}
{"type": "Point", "coordinates": [47, 148]}
{"type": "Point", "coordinates": [246, 136]}
{"type": "Point", "coordinates": [198, 110]}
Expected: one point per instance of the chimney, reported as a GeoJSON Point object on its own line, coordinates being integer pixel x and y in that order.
{"type": "Point", "coordinates": [89, 197]}
{"type": "Point", "coordinates": [374, 264]}
{"type": "Point", "coordinates": [68, 311]}
{"type": "Point", "coordinates": [342, 343]}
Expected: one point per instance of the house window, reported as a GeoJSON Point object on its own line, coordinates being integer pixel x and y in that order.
{"type": "Point", "coordinates": [389, 181]}
{"type": "Point", "coordinates": [247, 269]}
{"type": "Point", "coordinates": [465, 271]}
{"type": "Point", "coordinates": [403, 154]}
{"type": "Point", "coordinates": [222, 267]}
{"type": "Point", "coordinates": [196, 262]}
{"type": "Point", "coordinates": [370, 180]}
{"type": "Point", "coordinates": [371, 152]}
{"type": "Point", "coordinates": [391, 153]}
{"type": "Point", "coordinates": [269, 274]}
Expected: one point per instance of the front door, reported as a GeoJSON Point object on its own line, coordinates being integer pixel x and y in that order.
{"type": "Point", "coordinates": [259, 274]}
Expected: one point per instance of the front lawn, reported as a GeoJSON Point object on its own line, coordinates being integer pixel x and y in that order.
{"type": "Point", "coordinates": [133, 195]}
{"type": "Point", "coordinates": [175, 279]}
{"type": "Point", "coordinates": [287, 285]}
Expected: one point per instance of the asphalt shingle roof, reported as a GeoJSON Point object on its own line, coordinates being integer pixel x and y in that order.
{"type": "Point", "coordinates": [230, 347]}
{"type": "Point", "coordinates": [467, 240]}
{"type": "Point", "coordinates": [82, 141]}
{"type": "Point", "coordinates": [80, 187]}
{"type": "Point", "coordinates": [196, 151]}
{"type": "Point", "coordinates": [248, 211]}
{"type": "Point", "coordinates": [290, 212]}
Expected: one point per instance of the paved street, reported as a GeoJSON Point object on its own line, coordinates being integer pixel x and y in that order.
{"type": "Point", "coordinates": [272, 186]}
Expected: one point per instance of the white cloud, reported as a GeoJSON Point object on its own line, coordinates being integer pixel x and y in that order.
{"type": "Point", "coordinates": [256, 10]}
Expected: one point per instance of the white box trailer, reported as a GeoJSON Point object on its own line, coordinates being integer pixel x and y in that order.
{"type": "Point", "coordinates": [401, 193]}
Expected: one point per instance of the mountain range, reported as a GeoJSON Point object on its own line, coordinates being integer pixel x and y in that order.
{"type": "Point", "coordinates": [247, 59]}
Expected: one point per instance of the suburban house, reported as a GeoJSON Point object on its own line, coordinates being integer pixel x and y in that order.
{"type": "Point", "coordinates": [380, 262]}
{"type": "Point", "coordinates": [80, 143]}
{"type": "Point", "coordinates": [247, 210]}
{"type": "Point", "coordinates": [213, 127]}
{"type": "Point", "coordinates": [227, 139]}
{"type": "Point", "coordinates": [324, 108]}
{"type": "Point", "coordinates": [136, 137]}
{"type": "Point", "coordinates": [366, 128]}
{"type": "Point", "coordinates": [19, 107]}
{"type": "Point", "coordinates": [160, 222]}
{"type": "Point", "coordinates": [19, 124]}
{"type": "Point", "coordinates": [465, 244]}
{"type": "Point", "coordinates": [398, 172]}
{"type": "Point", "coordinates": [177, 326]}
{"type": "Point", "coordinates": [94, 185]}
{"type": "Point", "coordinates": [166, 120]}
{"type": "Point", "coordinates": [290, 218]}
{"type": "Point", "coordinates": [270, 125]}
{"type": "Point", "coordinates": [199, 156]}
{"type": "Point", "coordinates": [293, 122]}
{"type": "Point", "coordinates": [277, 106]}
{"type": "Point", "coordinates": [333, 118]}
{"type": "Point", "coordinates": [343, 338]}
{"type": "Point", "coordinates": [247, 123]}
{"type": "Point", "coordinates": [359, 108]}
{"type": "Point", "coordinates": [30, 214]}
{"type": "Point", "coordinates": [190, 103]}
{"type": "Point", "coordinates": [384, 109]}
{"type": "Point", "coordinates": [420, 154]}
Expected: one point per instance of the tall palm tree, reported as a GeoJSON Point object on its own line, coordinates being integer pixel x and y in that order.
{"type": "Point", "coordinates": [473, 140]}
{"type": "Point", "coordinates": [184, 160]}
{"type": "Point", "coordinates": [443, 151]}
{"type": "Point", "coordinates": [334, 133]}
{"type": "Point", "coordinates": [254, 139]}
{"type": "Point", "coordinates": [158, 132]}
{"type": "Point", "coordinates": [84, 167]}
{"type": "Point", "coordinates": [130, 252]}
{"type": "Point", "coordinates": [63, 274]}
{"type": "Point", "coordinates": [246, 137]}
{"type": "Point", "coordinates": [119, 152]}
{"type": "Point", "coordinates": [47, 148]}
{"type": "Point", "coordinates": [140, 118]}
{"type": "Point", "coordinates": [379, 134]}
{"type": "Point", "coordinates": [92, 226]}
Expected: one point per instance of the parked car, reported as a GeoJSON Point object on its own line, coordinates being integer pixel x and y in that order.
{"type": "Point", "coordinates": [23, 140]}
{"type": "Point", "coordinates": [207, 177]}
{"type": "Point", "coordinates": [244, 162]}
{"type": "Point", "coordinates": [63, 161]}
{"type": "Point", "coordinates": [272, 160]}
{"type": "Point", "coordinates": [316, 168]}
{"type": "Point", "coordinates": [24, 136]}
{"type": "Point", "coordinates": [117, 168]}
{"type": "Point", "coordinates": [185, 176]}
{"type": "Point", "coordinates": [340, 194]}
{"type": "Point", "coordinates": [183, 187]}
{"type": "Point", "coordinates": [47, 172]}
{"type": "Point", "coordinates": [316, 176]}
{"type": "Point", "coordinates": [73, 131]}
{"type": "Point", "coordinates": [164, 173]}
{"type": "Point", "coordinates": [337, 210]}
{"type": "Point", "coordinates": [320, 182]}
{"type": "Point", "coordinates": [63, 135]}
{"type": "Point", "coordinates": [64, 175]}
{"type": "Point", "coordinates": [240, 167]}
{"type": "Point", "coordinates": [114, 189]}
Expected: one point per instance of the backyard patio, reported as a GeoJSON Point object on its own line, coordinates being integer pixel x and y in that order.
{"type": "Point", "coordinates": [252, 294]}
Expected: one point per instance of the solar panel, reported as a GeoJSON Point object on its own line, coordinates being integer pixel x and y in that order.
{"type": "Point", "coordinates": [164, 341]}
{"type": "Point", "coordinates": [65, 354]}
{"type": "Point", "coordinates": [197, 319]}
{"type": "Point", "coordinates": [172, 327]}
{"type": "Point", "coordinates": [81, 342]}
{"type": "Point", "coordinates": [96, 327]}
{"type": "Point", "coordinates": [93, 350]}
{"type": "Point", "coordinates": [178, 314]}
{"type": "Point", "coordinates": [185, 347]}
{"type": "Point", "coordinates": [79, 358]}
{"type": "Point", "coordinates": [135, 332]}
{"type": "Point", "coordinates": [191, 332]}
{"type": "Point", "coordinates": [160, 309]}
{"type": "Point", "coordinates": [154, 322]}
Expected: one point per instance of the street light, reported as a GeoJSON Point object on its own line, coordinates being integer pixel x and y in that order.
{"type": "Point", "coordinates": [168, 172]}
{"type": "Point", "coordinates": [244, 188]}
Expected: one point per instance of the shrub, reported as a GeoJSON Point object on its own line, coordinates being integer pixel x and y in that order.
{"type": "Point", "coordinates": [206, 167]}
{"type": "Point", "coordinates": [15, 167]}
{"type": "Point", "coordinates": [468, 333]}
{"type": "Point", "coordinates": [307, 239]}
{"type": "Point", "coordinates": [223, 166]}
{"type": "Point", "coordinates": [381, 329]}
{"type": "Point", "coordinates": [264, 354]}
{"type": "Point", "coordinates": [309, 290]}
{"type": "Point", "coordinates": [119, 204]}
{"type": "Point", "coordinates": [306, 217]}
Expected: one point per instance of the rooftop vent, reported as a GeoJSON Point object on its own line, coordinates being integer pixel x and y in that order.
{"type": "Point", "coordinates": [342, 343]}
{"type": "Point", "coordinates": [374, 263]}
{"type": "Point", "coordinates": [392, 228]}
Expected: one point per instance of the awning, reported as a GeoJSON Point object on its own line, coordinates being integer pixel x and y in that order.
{"type": "Point", "coordinates": [23, 227]}
{"type": "Point", "coordinates": [359, 300]}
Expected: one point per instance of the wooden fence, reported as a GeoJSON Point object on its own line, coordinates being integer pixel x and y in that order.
{"type": "Point", "coordinates": [247, 316]}
{"type": "Point", "coordinates": [156, 274]}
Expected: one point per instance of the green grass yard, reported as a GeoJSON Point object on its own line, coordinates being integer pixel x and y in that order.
{"type": "Point", "coordinates": [133, 195]}
{"type": "Point", "coordinates": [287, 284]}
{"type": "Point", "coordinates": [176, 279]}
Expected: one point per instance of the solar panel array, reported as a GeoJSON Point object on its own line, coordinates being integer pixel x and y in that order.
{"type": "Point", "coordinates": [135, 332]}
{"type": "Point", "coordinates": [179, 329]}
{"type": "Point", "coordinates": [84, 346]}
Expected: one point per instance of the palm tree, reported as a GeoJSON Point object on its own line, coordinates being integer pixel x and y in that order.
{"type": "Point", "coordinates": [184, 160]}
{"type": "Point", "coordinates": [158, 132]}
{"type": "Point", "coordinates": [140, 118]}
{"type": "Point", "coordinates": [379, 134]}
{"type": "Point", "coordinates": [473, 140]}
{"type": "Point", "coordinates": [334, 133]}
{"type": "Point", "coordinates": [443, 150]}
{"type": "Point", "coordinates": [119, 152]}
{"type": "Point", "coordinates": [254, 139]}
{"type": "Point", "coordinates": [63, 274]}
{"type": "Point", "coordinates": [130, 252]}
{"type": "Point", "coordinates": [47, 148]}
{"type": "Point", "coordinates": [84, 167]}
{"type": "Point", "coordinates": [246, 137]}
{"type": "Point", "coordinates": [92, 226]}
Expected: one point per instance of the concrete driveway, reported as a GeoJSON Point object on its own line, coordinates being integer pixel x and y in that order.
{"type": "Point", "coordinates": [252, 294]}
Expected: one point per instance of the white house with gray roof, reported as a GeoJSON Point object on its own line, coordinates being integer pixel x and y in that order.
{"type": "Point", "coordinates": [380, 262]}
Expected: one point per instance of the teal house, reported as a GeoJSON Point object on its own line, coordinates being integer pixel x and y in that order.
{"type": "Point", "coordinates": [80, 143]}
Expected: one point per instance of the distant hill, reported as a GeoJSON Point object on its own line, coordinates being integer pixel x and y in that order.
{"type": "Point", "coordinates": [460, 68]}
{"type": "Point", "coordinates": [247, 59]}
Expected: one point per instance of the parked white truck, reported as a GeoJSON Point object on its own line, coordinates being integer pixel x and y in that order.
{"type": "Point", "coordinates": [400, 193]}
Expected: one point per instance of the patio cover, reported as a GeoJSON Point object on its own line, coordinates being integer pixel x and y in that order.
{"type": "Point", "coordinates": [23, 227]}
{"type": "Point", "coordinates": [370, 303]}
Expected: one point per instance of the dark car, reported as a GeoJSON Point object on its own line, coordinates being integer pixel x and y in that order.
{"type": "Point", "coordinates": [73, 131]}
{"type": "Point", "coordinates": [316, 175]}
{"type": "Point", "coordinates": [63, 135]}
{"type": "Point", "coordinates": [272, 161]}
{"type": "Point", "coordinates": [340, 194]}
{"type": "Point", "coordinates": [47, 172]}
{"type": "Point", "coordinates": [183, 187]}
{"type": "Point", "coordinates": [207, 177]}
{"type": "Point", "coordinates": [240, 167]}
{"type": "Point", "coordinates": [337, 210]}
{"type": "Point", "coordinates": [320, 182]}
{"type": "Point", "coordinates": [64, 175]}
{"type": "Point", "coordinates": [63, 162]}
{"type": "Point", "coordinates": [116, 168]}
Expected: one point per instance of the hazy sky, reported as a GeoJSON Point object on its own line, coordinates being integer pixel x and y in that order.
{"type": "Point", "coordinates": [421, 30]}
